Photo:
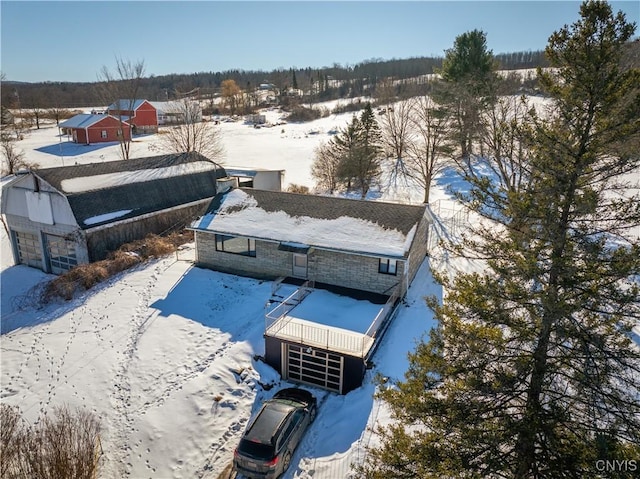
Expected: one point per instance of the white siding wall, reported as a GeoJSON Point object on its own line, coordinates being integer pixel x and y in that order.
{"type": "Point", "coordinates": [61, 222]}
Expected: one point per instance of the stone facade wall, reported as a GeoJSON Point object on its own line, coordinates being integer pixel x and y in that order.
{"type": "Point", "coordinates": [268, 263]}
{"type": "Point", "coordinates": [352, 271]}
{"type": "Point", "coordinates": [419, 248]}
{"type": "Point", "coordinates": [340, 269]}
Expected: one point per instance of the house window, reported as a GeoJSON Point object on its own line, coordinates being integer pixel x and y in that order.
{"type": "Point", "coordinates": [388, 266]}
{"type": "Point", "coordinates": [103, 134]}
{"type": "Point", "coordinates": [119, 133]}
{"type": "Point", "coordinates": [236, 245]}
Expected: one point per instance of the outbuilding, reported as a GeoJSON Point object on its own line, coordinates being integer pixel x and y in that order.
{"type": "Point", "coordinates": [95, 128]}
{"type": "Point", "coordinates": [140, 114]}
{"type": "Point", "coordinates": [61, 217]}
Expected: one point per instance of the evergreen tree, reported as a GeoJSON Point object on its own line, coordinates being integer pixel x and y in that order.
{"type": "Point", "coordinates": [356, 153]}
{"type": "Point", "coordinates": [368, 167]}
{"type": "Point", "coordinates": [531, 372]}
{"type": "Point", "coordinates": [346, 147]}
{"type": "Point", "coordinates": [468, 88]}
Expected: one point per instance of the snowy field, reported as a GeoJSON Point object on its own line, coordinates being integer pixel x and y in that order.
{"type": "Point", "coordinates": [165, 354]}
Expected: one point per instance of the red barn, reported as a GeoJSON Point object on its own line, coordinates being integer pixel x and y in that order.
{"type": "Point", "coordinates": [141, 114]}
{"type": "Point", "coordinates": [88, 129]}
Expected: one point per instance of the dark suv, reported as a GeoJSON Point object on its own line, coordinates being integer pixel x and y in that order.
{"type": "Point", "coordinates": [272, 436]}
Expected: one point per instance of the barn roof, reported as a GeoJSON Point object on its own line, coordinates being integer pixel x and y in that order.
{"type": "Point", "coordinates": [124, 104]}
{"type": "Point", "coordinates": [101, 193]}
{"type": "Point", "coordinates": [84, 120]}
{"type": "Point", "coordinates": [370, 227]}
{"type": "Point", "coordinates": [175, 106]}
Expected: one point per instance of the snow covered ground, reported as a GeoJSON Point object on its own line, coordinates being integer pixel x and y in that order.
{"type": "Point", "coordinates": [165, 353]}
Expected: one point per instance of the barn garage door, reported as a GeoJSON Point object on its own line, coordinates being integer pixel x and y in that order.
{"type": "Point", "coordinates": [61, 253]}
{"type": "Point", "coordinates": [311, 366]}
{"type": "Point", "coordinates": [28, 247]}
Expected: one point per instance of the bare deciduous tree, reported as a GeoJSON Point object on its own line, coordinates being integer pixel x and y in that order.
{"type": "Point", "coordinates": [14, 159]}
{"type": "Point", "coordinates": [11, 437]}
{"type": "Point", "coordinates": [385, 91]}
{"type": "Point", "coordinates": [396, 127]}
{"type": "Point", "coordinates": [34, 110]}
{"type": "Point", "coordinates": [231, 94]}
{"type": "Point", "coordinates": [122, 86]}
{"type": "Point", "coordinates": [192, 134]}
{"type": "Point", "coordinates": [325, 168]}
{"type": "Point", "coordinates": [429, 150]}
{"type": "Point", "coordinates": [66, 444]}
{"type": "Point", "coordinates": [503, 141]}
{"type": "Point", "coordinates": [58, 113]}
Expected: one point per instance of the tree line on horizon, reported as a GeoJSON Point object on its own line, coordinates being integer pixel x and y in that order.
{"type": "Point", "coordinates": [336, 81]}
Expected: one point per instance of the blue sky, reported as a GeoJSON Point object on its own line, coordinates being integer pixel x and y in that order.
{"type": "Point", "coordinates": [72, 41]}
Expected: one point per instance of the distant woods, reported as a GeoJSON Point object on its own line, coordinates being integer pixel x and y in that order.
{"type": "Point", "coordinates": [317, 84]}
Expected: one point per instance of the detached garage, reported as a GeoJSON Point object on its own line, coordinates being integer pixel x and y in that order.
{"type": "Point", "coordinates": [61, 217]}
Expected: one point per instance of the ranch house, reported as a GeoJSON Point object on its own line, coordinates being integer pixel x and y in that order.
{"type": "Point", "coordinates": [367, 251]}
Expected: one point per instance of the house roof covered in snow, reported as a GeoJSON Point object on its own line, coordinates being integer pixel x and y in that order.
{"type": "Point", "coordinates": [101, 193]}
{"type": "Point", "coordinates": [325, 222]}
{"type": "Point", "coordinates": [84, 120]}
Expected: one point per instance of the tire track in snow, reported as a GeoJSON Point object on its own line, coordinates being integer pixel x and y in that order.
{"type": "Point", "coordinates": [302, 456]}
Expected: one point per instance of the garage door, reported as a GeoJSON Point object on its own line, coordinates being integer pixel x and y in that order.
{"type": "Point", "coordinates": [319, 368]}
{"type": "Point", "coordinates": [28, 247]}
{"type": "Point", "coordinates": [61, 254]}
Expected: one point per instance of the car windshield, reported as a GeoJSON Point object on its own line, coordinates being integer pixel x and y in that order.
{"type": "Point", "coordinates": [256, 450]}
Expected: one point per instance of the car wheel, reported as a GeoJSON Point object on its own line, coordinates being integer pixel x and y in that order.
{"type": "Point", "coordinates": [312, 414]}
{"type": "Point", "coordinates": [286, 462]}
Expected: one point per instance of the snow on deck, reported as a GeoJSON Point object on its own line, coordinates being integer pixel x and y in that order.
{"type": "Point", "coordinates": [329, 321]}
{"type": "Point", "coordinates": [334, 310]}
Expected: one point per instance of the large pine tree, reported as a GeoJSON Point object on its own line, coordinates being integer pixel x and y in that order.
{"type": "Point", "coordinates": [358, 150]}
{"type": "Point", "coordinates": [468, 87]}
{"type": "Point", "coordinates": [532, 372]}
